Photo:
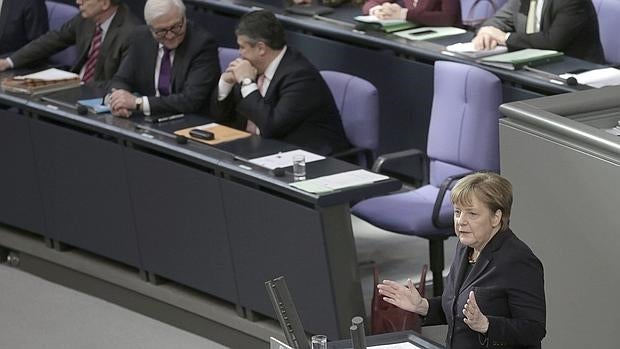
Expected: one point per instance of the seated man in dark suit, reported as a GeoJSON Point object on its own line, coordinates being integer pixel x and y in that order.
{"type": "Point", "coordinates": [273, 90]}
{"type": "Point", "coordinates": [21, 22]}
{"type": "Point", "coordinates": [99, 32]}
{"type": "Point", "coordinates": [173, 65]}
{"type": "Point", "coordinates": [570, 26]}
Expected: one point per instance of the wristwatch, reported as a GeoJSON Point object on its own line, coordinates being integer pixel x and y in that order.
{"type": "Point", "coordinates": [139, 103]}
{"type": "Point", "coordinates": [246, 82]}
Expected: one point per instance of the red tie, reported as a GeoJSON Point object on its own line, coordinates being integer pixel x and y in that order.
{"type": "Point", "coordinates": [93, 54]}
{"type": "Point", "coordinates": [251, 126]}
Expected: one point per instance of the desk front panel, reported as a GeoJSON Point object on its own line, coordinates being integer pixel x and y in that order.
{"type": "Point", "coordinates": [20, 200]}
{"type": "Point", "coordinates": [84, 190]}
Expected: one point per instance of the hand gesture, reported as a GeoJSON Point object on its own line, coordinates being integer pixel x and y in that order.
{"type": "Point", "coordinates": [473, 316]}
{"type": "Point", "coordinates": [243, 69]}
{"type": "Point", "coordinates": [391, 11]}
{"type": "Point", "coordinates": [121, 103]}
{"type": "Point", "coordinates": [404, 297]}
{"type": "Point", "coordinates": [488, 37]}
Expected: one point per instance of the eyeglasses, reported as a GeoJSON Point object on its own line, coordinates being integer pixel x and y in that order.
{"type": "Point", "coordinates": [176, 29]}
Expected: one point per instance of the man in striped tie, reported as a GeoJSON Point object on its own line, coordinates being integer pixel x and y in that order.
{"type": "Point", "coordinates": [570, 26]}
{"type": "Point", "coordinates": [171, 68]}
{"type": "Point", "coordinates": [99, 32]}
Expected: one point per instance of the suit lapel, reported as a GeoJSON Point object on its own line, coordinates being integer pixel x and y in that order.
{"type": "Point", "coordinates": [280, 71]}
{"type": "Point", "coordinates": [461, 256]}
{"type": "Point", "coordinates": [85, 41]}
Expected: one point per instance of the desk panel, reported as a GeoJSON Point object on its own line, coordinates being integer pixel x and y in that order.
{"type": "Point", "coordinates": [180, 223]}
{"type": "Point", "coordinates": [84, 191]}
{"type": "Point", "coordinates": [20, 201]}
{"type": "Point", "coordinates": [271, 237]}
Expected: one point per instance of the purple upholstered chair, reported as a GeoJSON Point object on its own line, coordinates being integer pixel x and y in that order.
{"type": "Point", "coordinates": [226, 56]}
{"type": "Point", "coordinates": [608, 12]}
{"type": "Point", "coordinates": [358, 103]}
{"type": "Point", "coordinates": [462, 137]}
{"type": "Point", "coordinates": [58, 14]}
{"type": "Point", "coordinates": [474, 12]}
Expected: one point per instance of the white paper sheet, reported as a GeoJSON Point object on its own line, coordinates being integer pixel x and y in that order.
{"type": "Point", "coordinates": [284, 159]}
{"type": "Point", "coordinates": [374, 19]}
{"type": "Point", "coordinates": [597, 77]}
{"type": "Point", "coordinates": [405, 345]}
{"type": "Point", "coordinates": [468, 49]}
{"type": "Point", "coordinates": [51, 74]}
{"type": "Point", "coordinates": [339, 181]}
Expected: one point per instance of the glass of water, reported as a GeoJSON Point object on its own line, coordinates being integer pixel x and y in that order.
{"type": "Point", "coordinates": [319, 341]}
{"type": "Point", "coordinates": [299, 167]}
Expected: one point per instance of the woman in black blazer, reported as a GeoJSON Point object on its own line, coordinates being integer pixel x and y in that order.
{"type": "Point", "coordinates": [494, 294]}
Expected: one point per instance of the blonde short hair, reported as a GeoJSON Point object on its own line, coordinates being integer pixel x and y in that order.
{"type": "Point", "coordinates": [493, 190]}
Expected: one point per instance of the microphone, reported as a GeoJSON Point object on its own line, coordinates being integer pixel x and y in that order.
{"type": "Point", "coordinates": [571, 81]}
{"type": "Point", "coordinates": [358, 335]}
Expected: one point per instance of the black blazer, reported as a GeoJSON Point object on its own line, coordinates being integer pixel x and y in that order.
{"type": "Point", "coordinates": [570, 26]}
{"type": "Point", "coordinates": [508, 284]}
{"type": "Point", "coordinates": [195, 71]}
{"type": "Point", "coordinates": [297, 108]}
{"type": "Point", "coordinates": [79, 31]}
{"type": "Point", "coordinates": [21, 22]}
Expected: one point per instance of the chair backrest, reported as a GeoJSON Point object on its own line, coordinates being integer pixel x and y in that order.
{"type": "Point", "coordinates": [358, 103]}
{"type": "Point", "coordinates": [608, 12]}
{"type": "Point", "coordinates": [464, 129]}
{"type": "Point", "coordinates": [474, 12]}
{"type": "Point", "coordinates": [58, 14]}
{"type": "Point", "coordinates": [226, 56]}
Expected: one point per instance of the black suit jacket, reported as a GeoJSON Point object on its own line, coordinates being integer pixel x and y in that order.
{"type": "Point", "coordinates": [195, 71]}
{"type": "Point", "coordinates": [570, 26]}
{"type": "Point", "coordinates": [21, 22]}
{"type": "Point", "coordinates": [79, 31]}
{"type": "Point", "coordinates": [297, 108]}
{"type": "Point", "coordinates": [508, 283]}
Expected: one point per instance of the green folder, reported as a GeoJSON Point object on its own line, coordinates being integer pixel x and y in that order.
{"type": "Point", "coordinates": [518, 59]}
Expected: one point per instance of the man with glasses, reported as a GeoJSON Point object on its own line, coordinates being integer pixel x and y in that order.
{"type": "Point", "coordinates": [171, 68]}
{"type": "Point", "coordinates": [99, 32]}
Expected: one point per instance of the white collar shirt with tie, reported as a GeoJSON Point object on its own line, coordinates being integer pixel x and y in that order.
{"type": "Point", "coordinates": [146, 107]}
{"type": "Point", "coordinates": [104, 30]}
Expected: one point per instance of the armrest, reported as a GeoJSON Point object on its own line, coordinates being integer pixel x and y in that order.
{"type": "Point", "coordinates": [445, 185]}
{"type": "Point", "coordinates": [409, 153]}
{"type": "Point", "coordinates": [345, 154]}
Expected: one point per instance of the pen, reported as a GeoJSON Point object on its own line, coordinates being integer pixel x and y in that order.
{"type": "Point", "coordinates": [169, 118]}
{"type": "Point", "coordinates": [53, 107]}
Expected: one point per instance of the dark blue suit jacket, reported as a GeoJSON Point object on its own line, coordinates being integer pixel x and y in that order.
{"type": "Point", "coordinates": [508, 284]}
{"type": "Point", "coordinates": [21, 22]}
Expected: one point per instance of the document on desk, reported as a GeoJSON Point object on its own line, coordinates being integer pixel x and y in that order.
{"type": "Point", "coordinates": [404, 345]}
{"type": "Point", "coordinates": [338, 181]}
{"type": "Point", "coordinates": [467, 49]}
{"type": "Point", "coordinates": [285, 159]}
{"type": "Point", "coordinates": [428, 33]}
{"type": "Point", "coordinates": [597, 77]}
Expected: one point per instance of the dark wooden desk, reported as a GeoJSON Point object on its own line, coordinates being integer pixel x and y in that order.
{"type": "Point", "coordinates": [188, 213]}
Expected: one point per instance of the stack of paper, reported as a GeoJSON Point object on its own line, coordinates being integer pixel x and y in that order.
{"type": "Point", "coordinates": [597, 77]}
{"type": "Point", "coordinates": [339, 181]}
{"type": "Point", "coordinates": [285, 159]}
{"type": "Point", "coordinates": [467, 49]}
{"type": "Point", "coordinates": [95, 105]}
{"type": "Point", "coordinates": [44, 81]}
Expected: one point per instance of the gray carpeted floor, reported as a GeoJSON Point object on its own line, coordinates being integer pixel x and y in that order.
{"type": "Point", "coordinates": [35, 313]}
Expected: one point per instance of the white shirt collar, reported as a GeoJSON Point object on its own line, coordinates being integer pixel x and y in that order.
{"type": "Point", "coordinates": [273, 66]}
{"type": "Point", "coordinates": [106, 24]}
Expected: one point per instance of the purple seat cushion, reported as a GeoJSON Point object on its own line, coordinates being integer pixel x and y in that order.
{"type": "Point", "coordinates": [608, 12]}
{"type": "Point", "coordinates": [57, 15]}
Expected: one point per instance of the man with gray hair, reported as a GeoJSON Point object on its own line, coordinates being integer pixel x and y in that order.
{"type": "Point", "coordinates": [172, 65]}
{"type": "Point", "coordinates": [100, 33]}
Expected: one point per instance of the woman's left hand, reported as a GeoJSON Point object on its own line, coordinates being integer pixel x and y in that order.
{"type": "Point", "coordinates": [473, 316]}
